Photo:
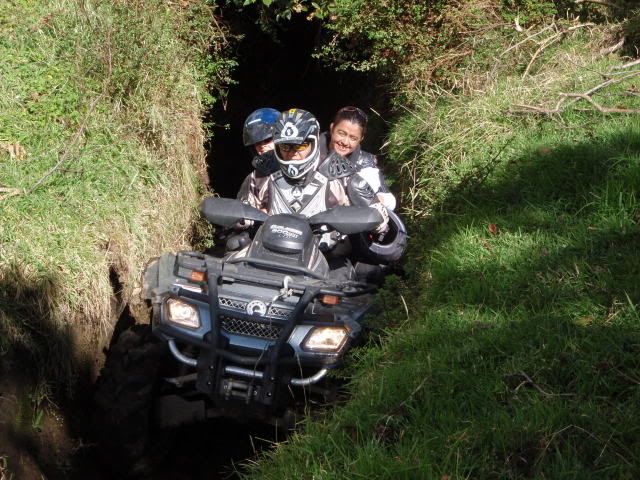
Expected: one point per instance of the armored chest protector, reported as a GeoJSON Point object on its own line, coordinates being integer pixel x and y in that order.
{"type": "Point", "coordinates": [304, 199]}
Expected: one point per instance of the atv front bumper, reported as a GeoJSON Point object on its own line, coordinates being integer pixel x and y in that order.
{"type": "Point", "coordinates": [245, 347]}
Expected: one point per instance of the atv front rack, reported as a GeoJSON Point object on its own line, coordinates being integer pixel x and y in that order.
{"type": "Point", "coordinates": [345, 289]}
{"type": "Point", "coordinates": [209, 366]}
{"type": "Point", "coordinates": [261, 262]}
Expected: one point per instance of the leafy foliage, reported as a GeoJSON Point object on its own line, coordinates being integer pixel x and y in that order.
{"type": "Point", "coordinates": [420, 42]}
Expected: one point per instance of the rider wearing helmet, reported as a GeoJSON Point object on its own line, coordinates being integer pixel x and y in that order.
{"type": "Point", "coordinates": [257, 132]}
{"type": "Point", "coordinates": [257, 136]}
{"type": "Point", "coordinates": [292, 186]}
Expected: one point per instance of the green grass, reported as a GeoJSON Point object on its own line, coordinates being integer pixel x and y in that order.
{"type": "Point", "coordinates": [520, 356]}
{"type": "Point", "coordinates": [101, 158]}
{"type": "Point", "coordinates": [102, 101]}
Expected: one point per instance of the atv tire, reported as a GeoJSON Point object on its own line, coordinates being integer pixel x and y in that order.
{"type": "Point", "coordinates": [124, 398]}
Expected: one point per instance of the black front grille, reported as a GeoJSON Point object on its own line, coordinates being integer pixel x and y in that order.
{"type": "Point", "coordinates": [278, 312]}
{"type": "Point", "coordinates": [227, 303]}
{"type": "Point", "coordinates": [250, 328]}
{"type": "Point", "coordinates": [232, 303]}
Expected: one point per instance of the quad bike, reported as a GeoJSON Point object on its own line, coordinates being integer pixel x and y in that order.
{"type": "Point", "coordinates": [246, 335]}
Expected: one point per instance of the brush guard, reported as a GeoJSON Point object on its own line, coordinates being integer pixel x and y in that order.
{"type": "Point", "coordinates": [242, 377]}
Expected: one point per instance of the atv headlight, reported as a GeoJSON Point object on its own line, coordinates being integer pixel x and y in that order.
{"type": "Point", "coordinates": [182, 313]}
{"type": "Point", "coordinates": [326, 339]}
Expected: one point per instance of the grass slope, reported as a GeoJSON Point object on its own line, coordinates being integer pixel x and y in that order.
{"type": "Point", "coordinates": [101, 159]}
{"type": "Point", "coordinates": [519, 354]}
{"type": "Point", "coordinates": [101, 140]}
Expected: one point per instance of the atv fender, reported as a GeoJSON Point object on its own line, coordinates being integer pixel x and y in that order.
{"type": "Point", "coordinates": [150, 278]}
{"type": "Point", "coordinates": [158, 276]}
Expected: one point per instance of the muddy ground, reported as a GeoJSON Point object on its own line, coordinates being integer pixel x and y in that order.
{"type": "Point", "coordinates": [39, 441]}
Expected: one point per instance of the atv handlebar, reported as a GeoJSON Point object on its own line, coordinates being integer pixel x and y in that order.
{"type": "Point", "coordinates": [347, 220]}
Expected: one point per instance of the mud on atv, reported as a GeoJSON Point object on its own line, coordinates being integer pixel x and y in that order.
{"type": "Point", "coordinates": [249, 335]}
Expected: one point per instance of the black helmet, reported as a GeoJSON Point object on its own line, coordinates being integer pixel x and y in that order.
{"type": "Point", "coordinates": [386, 248]}
{"type": "Point", "coordinates": [297, 126]}
{"type": "Point", "coordinates": [259, 126]}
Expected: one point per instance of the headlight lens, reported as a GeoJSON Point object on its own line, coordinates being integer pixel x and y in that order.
{"type": "Point", "coordinates": [326, 339]}
{"type": "Point", "coordinates": [182, 313]}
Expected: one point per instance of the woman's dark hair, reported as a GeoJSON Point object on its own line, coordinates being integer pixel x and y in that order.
{"type": "Point", "coordinates": [354, 115]}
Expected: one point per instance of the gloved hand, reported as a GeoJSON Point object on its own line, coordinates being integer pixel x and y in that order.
{"type": "Point", "coordinates": [238, 241]}
{"type": "Point", "coordinates": [384, 225]}
{"type": "Point", "coordinates": [387, 199]}
{"type": "Point", "coordinates": [243, 224]}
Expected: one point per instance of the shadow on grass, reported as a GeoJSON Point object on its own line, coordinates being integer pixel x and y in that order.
{"type": "Point", "coordinates": [545, 175]}
{"type": "Point", "coordinates": [45, 381]}
{"type": "Point", "coordinates": [532, 325]}
{"type": "Point", "coordinates": [566, 225]}
{"type": "Point", "coordinates": [519, 396]}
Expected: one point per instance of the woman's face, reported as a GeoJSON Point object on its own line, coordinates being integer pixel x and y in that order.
{"type": "Point", "coordinates": [345, 137]}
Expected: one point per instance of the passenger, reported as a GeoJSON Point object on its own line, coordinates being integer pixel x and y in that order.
{"type": "Point", "coordinates": [257, 136]}
{"type": "Point", "coordinates": [345, 135]}
{"type": "Point", "coordinates": [257, 132]}
{"type": "Point", "coordinates": [364, 183]}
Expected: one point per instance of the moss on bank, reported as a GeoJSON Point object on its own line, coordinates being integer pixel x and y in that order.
{"type": "Point", "coordinates": [102, 164]}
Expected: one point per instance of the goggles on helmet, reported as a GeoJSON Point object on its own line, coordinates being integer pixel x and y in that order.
{"type": "Point", "coordinates": [293, 147]}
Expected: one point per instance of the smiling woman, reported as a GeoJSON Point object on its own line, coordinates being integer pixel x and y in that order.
{"type": "Point", "coordinates": [347, 130]}
{"type": "Point", "coordinates": [345, 135]}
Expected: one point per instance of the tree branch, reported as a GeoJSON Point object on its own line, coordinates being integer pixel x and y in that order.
{"type": "Point", "coordinates": [530, 37]}
{"type": "Point", "coordinates": [6, 192]}
{"type": "Point", "coordinates": [613, 48]}
{"type": "Point", "coordinates": [599, 107]}
{"type": "Point", "coordinates": [567, 99]}
{"type": "Point", "coordinates": [611, 81]}
{"type": "Point", "coordinates": [627, 65]}
{"type": "Point", "coordinates": [606, 3]}
{"type": "Point", "coordinates": [550, 41]}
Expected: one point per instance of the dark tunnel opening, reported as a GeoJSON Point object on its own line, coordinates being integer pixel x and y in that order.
{"type": "Point", "coordinates": [281, 73]}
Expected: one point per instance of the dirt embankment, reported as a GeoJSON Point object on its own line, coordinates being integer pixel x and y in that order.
{"type": "Point", "coordinates": [105, 161]}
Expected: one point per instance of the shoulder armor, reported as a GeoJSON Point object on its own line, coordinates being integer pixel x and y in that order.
{"type": "Point", "coordinates": [265, 164]}
{"type": "Point", "coordinates": [336, 166]}
{"type": "Point", "coordinates": [366, 159]}
{"type": "Point", "coordinates": [360, 192]}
